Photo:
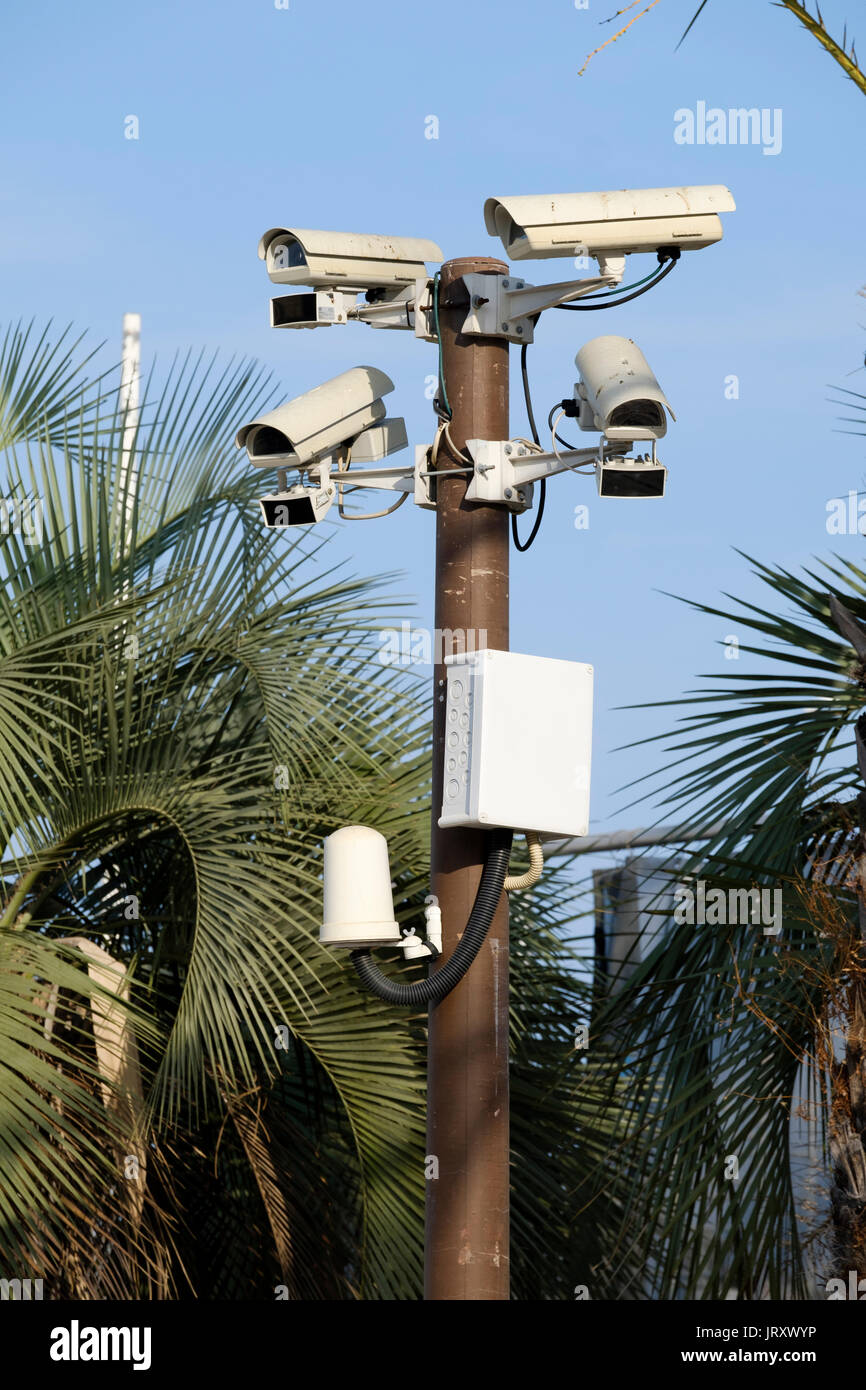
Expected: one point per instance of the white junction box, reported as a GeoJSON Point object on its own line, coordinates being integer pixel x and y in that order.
{"type": "Point", "coordinates": [518, 743]}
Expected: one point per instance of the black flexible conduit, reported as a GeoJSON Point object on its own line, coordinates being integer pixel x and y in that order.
{"type": "Point", "coordinates": [436, 986]}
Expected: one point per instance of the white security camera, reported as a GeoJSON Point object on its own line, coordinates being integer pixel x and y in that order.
{"type": "Point", "coordinates": [624, 477]}
{"type": "Point", "coordinates": [299, 505]}
{"type": "Point", "coordinates": [344, 260]}
{"type": "Point", "coordinates": [318, 422]}
{"type": "Point", "coordinates": [615, 223]}
{"type": "Point", "coordinates": [618, 394]}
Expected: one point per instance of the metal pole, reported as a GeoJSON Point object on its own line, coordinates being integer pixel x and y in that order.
{"type": "Point", "coordinates": [467, 1236]}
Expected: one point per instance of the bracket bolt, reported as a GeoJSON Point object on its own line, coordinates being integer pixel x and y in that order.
{"type": "Point", "coordinates": [508, 448]}
{"type": "Point", "coordinates": [508, 492]}
{"type": "Point", "coordinates": [518, 330]}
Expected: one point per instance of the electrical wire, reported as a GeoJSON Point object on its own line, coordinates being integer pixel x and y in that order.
{"type": "Point", "coordinates": [550, 427]}
{"type": "Point", "coordinates": [343, 491]}
{"type": "Point", "coordinates": [523, 546]}
{"type": "Point", "coordinates": [445, 402]}
{"type": "Point", "coordinates": [444, 428]}
{"type": "Point", "coordinates": [622, 289]}
{"type": "Point", "coordinates": [369, 516]}
{"type": "Point", "coordinates": [515, 883]}
{"type": "Point", "coordinates": [451, 972]}
{"type": "Point", "coordinates": [575, 467]}
{"type": "Point", "coordinates": [607, 302]}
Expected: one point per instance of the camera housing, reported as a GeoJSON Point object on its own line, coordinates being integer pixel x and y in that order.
{"type": "Point", "coordinates": [626, 477]}
{"type": "Point", "coordinates": [623, 221]}
{"type": "Point", "coordinates": [618, 393]}
{"type": "Point", "coordinates": [344, 260]}
{"type": "Point", "coordinates": [318, 422]}
{"type": "Point", "coordinates": [298, 505]}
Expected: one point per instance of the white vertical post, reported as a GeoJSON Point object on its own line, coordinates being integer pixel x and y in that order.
{"type": "Point", "coordinates": [128, 404]}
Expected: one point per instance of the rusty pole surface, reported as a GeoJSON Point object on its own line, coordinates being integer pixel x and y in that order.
{"type": "Point", "coordinates": [467, 1231]}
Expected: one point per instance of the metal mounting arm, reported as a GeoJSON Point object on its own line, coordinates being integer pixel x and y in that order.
{"type": "Point", "coordinates": [505, 308]}
{"type": "Point", "coordinates": [506, 469]}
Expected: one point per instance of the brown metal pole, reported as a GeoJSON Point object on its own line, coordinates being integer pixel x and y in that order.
{"type": "Point", "coordinates": [467, 1245]}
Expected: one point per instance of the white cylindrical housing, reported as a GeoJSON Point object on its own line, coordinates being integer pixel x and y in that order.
{"type": "Point", "coordinates": [619, 221]}
{"type": "Point", "coordinates": [358, 902]}
{"type": "Point", "coordinates": [350, 260]}
{"type": "Point", "coordinates": [300, 431]}
{"type": "Point", "coordinates": [621, 391]}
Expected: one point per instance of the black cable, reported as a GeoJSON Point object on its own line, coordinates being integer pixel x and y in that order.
{"type": "Point", "coordinates": [542, 490]}
{"type": "Point", "coordinates": [530, 413]}
{"type": "Point", "coordinates": [436, 986]}
{"type": "Point", "coordinates": [550, 415]}
{"type": "Point", "coordinates": [609, 302]}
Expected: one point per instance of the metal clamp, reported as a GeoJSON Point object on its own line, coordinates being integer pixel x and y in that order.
{"type": "Point", "coordinates": [505, 307]}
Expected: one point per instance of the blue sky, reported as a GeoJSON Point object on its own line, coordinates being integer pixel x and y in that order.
{"type": "Point", "coordinates": [251, 116]}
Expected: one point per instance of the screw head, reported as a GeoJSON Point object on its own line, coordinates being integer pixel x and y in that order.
{"type": "Point", "coordinates": [504, 327]}
{"type": "Point", "coordinates": [508, 492]}
{"type": "Point", "coordinates": [508, 448]}
{"type": "Point", "coordinates": [518, 330]}
{"type": "Point", "coordinates": [505, 284]}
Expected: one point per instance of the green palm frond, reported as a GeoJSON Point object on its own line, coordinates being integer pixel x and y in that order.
{"type": "Point", "coordinates": [43, 384]}
{"type": "Point", "coordinates": [776, 741]}
{"type": "Point", "coordinates": [701, 1049]}
{"type": "Point", "coordinates": [188, 705]}
{"type": "Point", "coordinates": [62, 1137]}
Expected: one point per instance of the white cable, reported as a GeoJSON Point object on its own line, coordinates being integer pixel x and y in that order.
{"type": "Point", "coordinates": [575, 467]}
{"type": "Point", "coordinates": [347, 465]}
{"type": "Point", "coordinates": [443, 428]}
{"type": "Point", "coordinates": [370, 516]}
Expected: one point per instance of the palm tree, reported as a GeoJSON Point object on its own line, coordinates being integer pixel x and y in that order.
{"type": "Point", "coordinates": [723, 1032]}
{"type": "Point", "coordinates": [196, 1098]}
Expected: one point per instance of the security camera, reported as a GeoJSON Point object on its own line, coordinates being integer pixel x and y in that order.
{"type": "Point", "coordinates": [625, 477]}
{"type": "Point", "coordinates": [298, 505]}
{"type": "Point", "coordinates": [618, 394]}
{"type": "Point", "coordinates": [318, 422]}
{"type": "Point", "coordinates": [344, 260]}
{"type": "Point", "coordinates": [616, 223]}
